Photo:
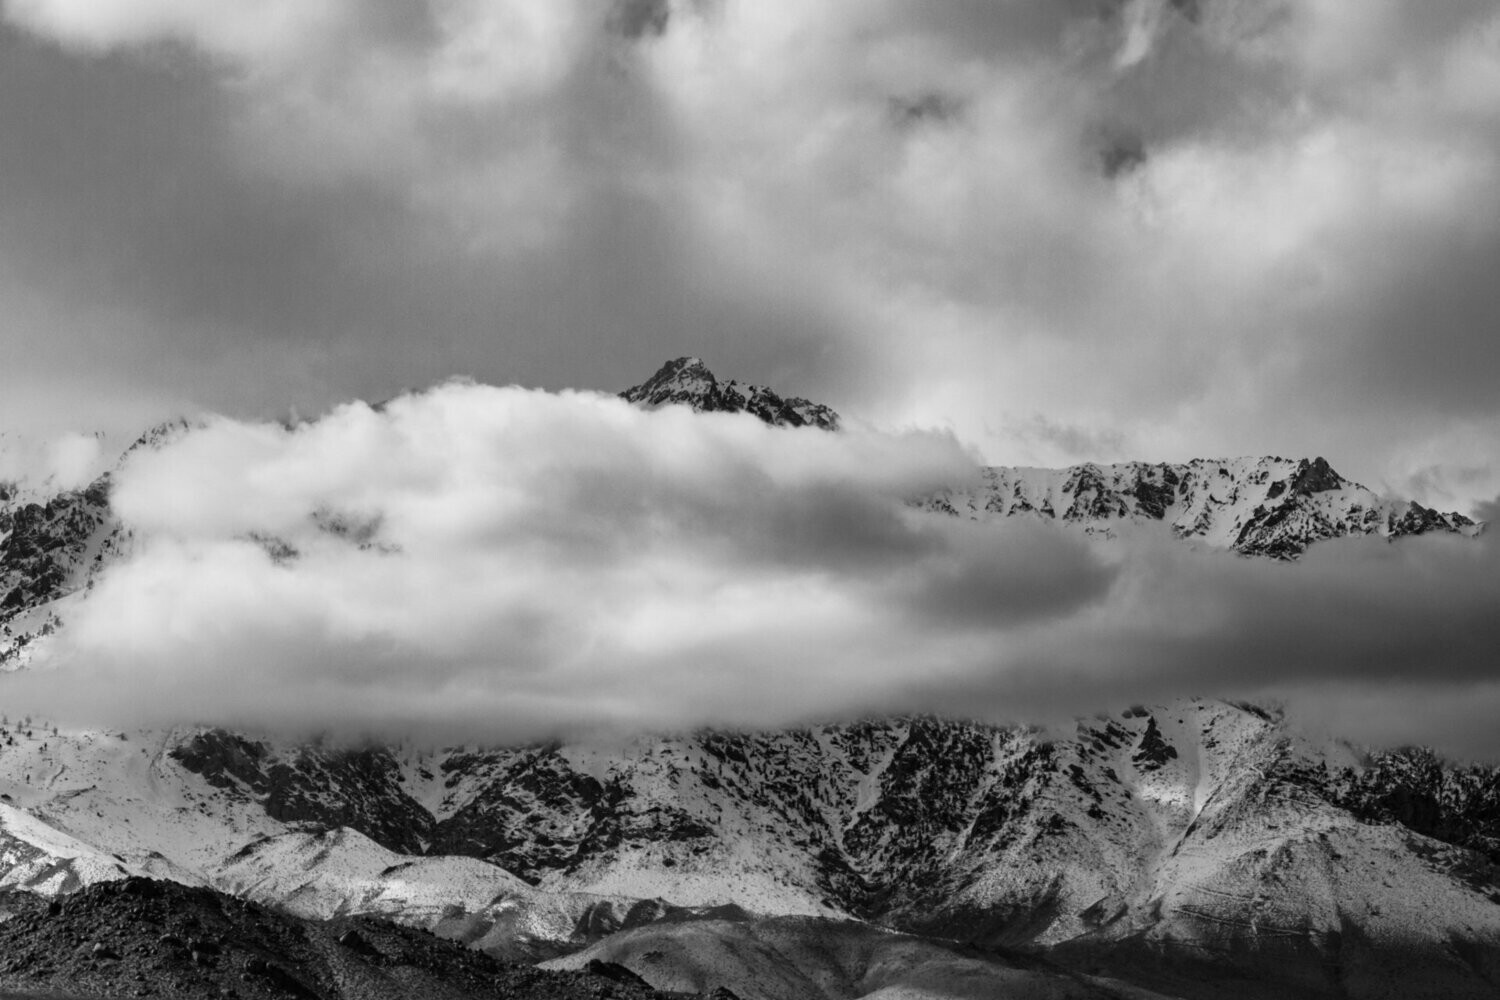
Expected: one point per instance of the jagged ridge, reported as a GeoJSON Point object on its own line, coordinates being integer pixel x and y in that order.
{"type": "Point", "coordinates": [688, 382]}
{"type": "Point", "coordinates": [1270, 506]}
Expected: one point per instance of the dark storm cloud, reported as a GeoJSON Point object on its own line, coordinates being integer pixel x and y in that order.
{"type": "Point", "coordinates": [1429, 328]}
{"type": "Point", "coordinates": [1358, 622]}
{"type": "Point", "coordinates": [997, 581]}
{"type": "Point", "coordinates": [1358, 611]}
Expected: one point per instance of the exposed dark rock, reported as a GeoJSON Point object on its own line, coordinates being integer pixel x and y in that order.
{"type": "Point", "coordinates": [357, 942]}
{"type": "Point", "coordinates": [1454, 803]}
{"type": "Point", "coordinates": [1316, 477]}
{"type": "Point", "coordinates": [615, 973]}
{"type": "Point", "coordinates": [46, 544]}
{"type": "Point", "coordinates": [1153, 751]}
{"type": "Point", "coordinates": [355, 788]}
{"type": "Point", "coordinates": [241, 949]}
{"type": "Point", "coordinates": [687, 381]}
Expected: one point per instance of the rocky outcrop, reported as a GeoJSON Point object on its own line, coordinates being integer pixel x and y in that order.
{"type": "Point", "coordinates": [688, 382]}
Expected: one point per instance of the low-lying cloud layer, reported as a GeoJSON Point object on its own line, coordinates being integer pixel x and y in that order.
{"type": "Point", "coordinates": [498, 563]}
{"type": "Point", "coordinates": [476, 560]}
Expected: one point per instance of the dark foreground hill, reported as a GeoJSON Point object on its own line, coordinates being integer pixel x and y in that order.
{"type": "Point", "coordinates": [143, 938]}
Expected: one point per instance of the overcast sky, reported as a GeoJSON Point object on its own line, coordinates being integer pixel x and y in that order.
{"type": "Point", "coordinates": [1067, 229]}
{"type": "Point", "coordinates": [1015, 231]}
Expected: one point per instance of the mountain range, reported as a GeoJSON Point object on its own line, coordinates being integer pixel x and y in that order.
{"type": "Point", "coordinates": [1197, 848]}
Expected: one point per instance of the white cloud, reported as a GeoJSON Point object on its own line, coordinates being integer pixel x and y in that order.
{"type": "Point", "coordinates": [46, 464]}
{"type": "Point", "coordinates": [474, 557]}
{"type": "Point", "coordinates": [245, 30]}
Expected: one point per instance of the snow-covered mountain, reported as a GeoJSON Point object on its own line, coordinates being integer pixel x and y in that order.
{"type": "Point", "coordinates": [1197, 848]}
{"type": "Point", "coordinates": [1256, 506]}
{"type": "Point", "coordinates": [1182, 829]}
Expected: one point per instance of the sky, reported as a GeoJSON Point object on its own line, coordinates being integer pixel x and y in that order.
{"type": "Point", "coordinates": [1008, 231]}
{"type": "Point", "coordinates": [1067, 230]}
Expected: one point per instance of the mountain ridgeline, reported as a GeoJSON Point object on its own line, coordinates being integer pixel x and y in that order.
{"type": "Point", "coordinates": [688, 382]}
{"type": "Point", "coordinates": [1191, 849]}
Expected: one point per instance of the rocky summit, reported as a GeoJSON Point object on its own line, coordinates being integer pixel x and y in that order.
{"type": "Point", "coordinates": [688, 382]}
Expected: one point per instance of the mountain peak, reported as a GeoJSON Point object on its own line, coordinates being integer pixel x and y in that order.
{"type": "Point", "coordinates": [688, 381]}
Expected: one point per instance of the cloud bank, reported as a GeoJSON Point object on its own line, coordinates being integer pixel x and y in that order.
{"type": "Point", "coordinates": [489, 563]}
{"type": "Point", "coordinates": [483, 561]}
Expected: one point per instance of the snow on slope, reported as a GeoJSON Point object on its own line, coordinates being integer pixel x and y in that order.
{"type": "Point", "coordinates": [82, 807]}
{"type": "Point", "coordinates": [1256, 506]}
{"type": "Point", "coordinates": [40, 858]}
{"type": "Point", "coordinates": [1197, 825]}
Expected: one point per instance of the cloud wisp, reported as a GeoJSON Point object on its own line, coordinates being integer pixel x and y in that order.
{"type": "Point", "coordinates": [489, 563]}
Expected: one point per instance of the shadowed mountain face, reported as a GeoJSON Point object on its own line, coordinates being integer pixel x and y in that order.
{"type": "Point", "coordinates": [1197, 848]}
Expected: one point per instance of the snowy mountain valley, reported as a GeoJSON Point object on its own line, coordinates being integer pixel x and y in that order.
{"type": "Point", "coordinates": [1192, 848]}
